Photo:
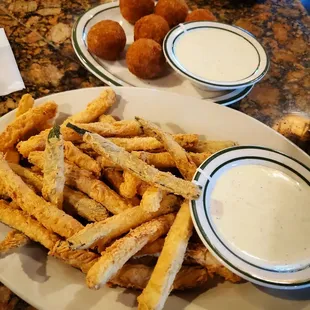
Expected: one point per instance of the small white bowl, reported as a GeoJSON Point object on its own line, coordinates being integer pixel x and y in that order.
{"type": "Point", "coordinates": [253, 215]}
{"type": "Point", "coordinates": [215, 56]}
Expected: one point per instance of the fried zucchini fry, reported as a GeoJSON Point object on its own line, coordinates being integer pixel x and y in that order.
{"type": "Point", "coordinates": [115, 226]}
{"type": "Point", "coordinates": [196, 253]}
{"type": "Point", "coordinates": [90, 114]}
{"type": "Point", "coordinates": [12, 155]}
{"type": "Point", "coordinates": [23, 222]}
{"type": "Point", "coordinates": [200, 254]}
{"type": "Point", "coordinates": [129, 187]}
{"type": "Point", "coordinates": [25, 123]}
{"type": "Point", "coordinates": [95, 108]}
{"type": "Point", "coordinates": [106, 119]}
{"type": "Point", "coordinates": [80, 259]}
{"type": "Point", "coordinates": [116, 129]}
{"type": "Point", "coordinates": [13, 240]}
{"type": "Point", "coordinates": [25, 104]}
{"type": "Point", "coordinates": [54, 168]}
{"type": "Point", "coordinates": [137, 276]}
{"type": "Point", "coordinates": [46, 213]}
{"type": "Point", "coordinates": [153, 248]}
{"type": "Point", "coordinates": [139, 168]}
{"type": "Point", "coordinates": [165, 161]}
{"type": "Point", "coordinates": [78, 203]}
{"type": "Point", "coordinates": [152, 144]}
{"type": "Point", "coordinates": [212, 146]}
{"type": "Point", "coordinates": [84, 181]}
{"type": "Point", "coordinates": [115, 256]}
{"type": "Point", "coordinates": [106, 163]}
{"type": "Point", "coordinates": [114, 177]}
{"type": "Point", "coordinates": [75, 202]}
{"type": "Point", "coordinates": [169, 262]}
{"type": "Point", "coordinates": [76, 156]}
{"type": "Point", "coordinates": [182, 160]}
{"type": "Point", "coordinates": [152, 198]}
{"type": "Point", "coordinates": [34, 143]}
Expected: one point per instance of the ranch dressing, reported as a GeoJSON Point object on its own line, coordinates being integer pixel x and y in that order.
{"type": "Point", "coordinates": [216, 55]}
{"type": "Point", "coordinates": [262, 213]}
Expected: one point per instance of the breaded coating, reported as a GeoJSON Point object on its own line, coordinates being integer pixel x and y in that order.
{"type": "Point", "coordinates": [165, 161]}
{"type": "Point", "coordinates": [13, 240]}
{"type": "Point", "coordinates": [212, 146]}
{"type": "Point", "coordinates": [25, 104]}
{"type": "Point", "coordinates": [133, 10]}
{"type": "Point", "coordinates": [115, 226]}
{"type": "Point", "coordinates": [115, 256]}
{"type": "Point", "coordinates": [78, 203]}
{"type": "Point", "coordinates": [95, 108]}
{"type": "Point", "coordinates": [137, 276]}
{"type": "Point", "coordinates": [152, 144]}
{"type": "Point", "coordinates": [129, 187]}
{"type": "Point", "coordinates": [152, 198]}
{"type": "Point", "coordinates": [182, 160]}
{"type": "Point", "coordinates": [200, 14]}
{"type": "Point", "coordinates": [76, 156]}
{"type": "Point", "coordinates": [86, 183]}
{"type": "Point", "coordinates": [116, 129]}
{"type": "Point", "coordinates": [200, 254]}
{"type": "Point", "coordinates": [153, 248]}
{"type": "Point", "coordinates": [114, 177]}
{"type": "Point", "coordinates": [107, 163]}
{"type": "Point", "coordinates": [75, 202]}
{"type": "Point", "coordinates": [23, 124]}
{"type": "Point", "coordinates": [54, 168]}
{"type": "Point", "coordinates": [169, 262]}
{"type": "Point", "coordinates": [47, 214]}
{"type": "Point", "coordinates": [12, 156]}
{"type": "Point", "coordinates": [28, 176]}
{"type": "Point", "coordinates": [23, 222]}
{"type": "Point", "coordinates": [34, 143]}
{"type": "Point", "coordinates": [80, 259]}
{"type": "Point", "coordinates": [139, 168]}
{"type": "Point", "coordinates": [104, 118]}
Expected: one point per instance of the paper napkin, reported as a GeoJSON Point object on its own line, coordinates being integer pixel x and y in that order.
{"type": "Point", "coordinates": [10, 78]}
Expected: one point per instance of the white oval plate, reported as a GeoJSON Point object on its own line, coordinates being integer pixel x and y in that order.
{"type": "Point", "coordinates": [259, 58]}
{"type": "Point", "coordinates": [289, 272]}
{"type": "Point", "coordinates": [48, 284]}
{"type": "Point", "coordinates": [116, 72]}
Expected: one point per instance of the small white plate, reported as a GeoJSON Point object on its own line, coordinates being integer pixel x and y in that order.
{"type": "Point", "coordinates": [254, 215]}
{"type": "Point", "coordinates": [116, 72]}
{"type": "Point", "coordinates": [215, 56]}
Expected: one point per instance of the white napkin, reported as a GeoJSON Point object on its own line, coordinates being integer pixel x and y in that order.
{"type": "Point", "coordinates": [10, 78]}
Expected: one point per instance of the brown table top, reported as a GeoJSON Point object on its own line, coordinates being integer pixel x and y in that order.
{"type": "Point", "coordinates": [39, 33]}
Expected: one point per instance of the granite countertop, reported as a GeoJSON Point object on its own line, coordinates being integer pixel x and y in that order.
{"type": "Point", "coordinates": [39, 33]}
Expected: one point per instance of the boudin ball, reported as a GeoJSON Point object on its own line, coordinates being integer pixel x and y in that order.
{"type": "Point", "coordinates": [106, 39]}
{"type": "Point", "coordinates": [133, 10]}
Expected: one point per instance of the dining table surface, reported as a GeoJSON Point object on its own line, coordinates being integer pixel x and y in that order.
{"type": "Point", "coordinates": [39, 32]}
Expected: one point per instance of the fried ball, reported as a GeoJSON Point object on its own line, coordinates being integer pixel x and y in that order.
{"type": "Point", "coordinates": [145, 59]}
{"type": "Point", "coordinates": [200, 14]}
{"type": "Point", "coordinates": [106, 39]}
{"type": "Point", "coordinates": [173, 11]}
{"type": "Point", "coordinates": [151, 27]}
{"type": "Point", "coordinates": [133, 10]}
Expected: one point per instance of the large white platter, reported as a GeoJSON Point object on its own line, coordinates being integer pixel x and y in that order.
{"type": "Point", "coordinates": [116, 72]}
{"type": "Point", "coordinates": [46, 283]}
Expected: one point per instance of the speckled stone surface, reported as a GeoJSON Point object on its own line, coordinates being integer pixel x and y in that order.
{"type": "Point", "coordinates": [39, 33]}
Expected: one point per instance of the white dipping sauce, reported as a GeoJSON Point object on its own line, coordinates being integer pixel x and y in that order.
{"type": "Point", "coordinates": [264, 213]}
{"type": "Point", "coordinates": [216, 54]}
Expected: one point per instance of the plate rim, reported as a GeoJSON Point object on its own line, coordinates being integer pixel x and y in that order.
{"type": "Point", "coordinates": [211, 244]}
{"type": "Point", "coordinates": [102, 75]}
